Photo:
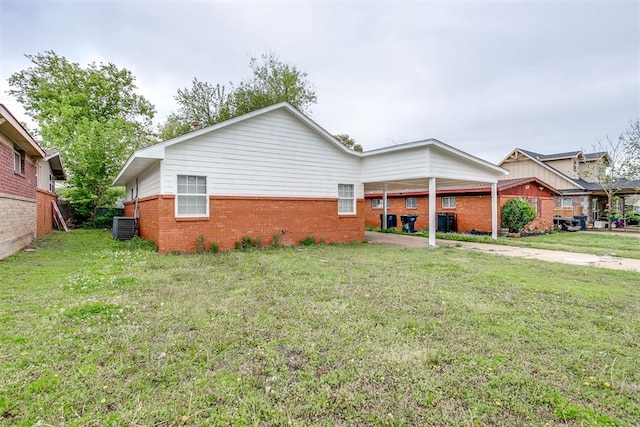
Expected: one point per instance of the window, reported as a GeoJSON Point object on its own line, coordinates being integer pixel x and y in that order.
{"type": "Point", "coordinates": [52, 183]}
{"type": "Point", "coordinates": [346, 199]}
{"type": "Point", "coordinates": [376, 204]}
{"type": "Point", "coordinates": [566, 202]}
{"type": "Point", "coordinates": [449, 202]}
{"type": "Point", "coordinates": [18, 162]}
{"type": "Point", "coordinates": [192, 196]}
{"type": "Point", "coordinates": [411, 202]}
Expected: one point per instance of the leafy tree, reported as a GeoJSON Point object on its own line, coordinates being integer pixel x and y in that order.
{"type": "Point", "coordinates": [201, 105]}
{"type": "Point", "coordinates": [631, 145]}
{"type": "Point", "coordinates": [516, 214]}
{"type": "Point", "coordinates": [272, 81]}
{"type": "Point", "coordinates": [349, 142]}
{"type": "Point", "coordinates": [91, 115]}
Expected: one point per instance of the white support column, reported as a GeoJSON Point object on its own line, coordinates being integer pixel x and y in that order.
{"type": "Point", "coordinates": [384, 207]}
{"type": "Point", "coordinates": [432, 212]}
{"type": "Point", "coordinates": [494, 211]}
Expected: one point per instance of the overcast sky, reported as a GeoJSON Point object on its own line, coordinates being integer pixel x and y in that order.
{"type": "Point", "coordinates": [482, 76]}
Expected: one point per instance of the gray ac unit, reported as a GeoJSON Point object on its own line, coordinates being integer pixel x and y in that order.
{"type": "Point", "coordinates": [123, 227]}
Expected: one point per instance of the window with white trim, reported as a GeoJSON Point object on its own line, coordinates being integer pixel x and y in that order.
{"type": "Point", "coordinates": [376, 204]}
{"type": "Point", "coordinates": [192, 197]}
{"type": "Point", "coordinates": [449, 202]}
{"type": "Point", "coordinates": [52, 183]}
{"type": "Point", "coordinates": [566, 202]}
{"type": "Point", "coordinates": [346, 199]}
{"type": "Point", "coordinates": [18, 162]}
{"type": "Point", "coordinates": [411, 202]}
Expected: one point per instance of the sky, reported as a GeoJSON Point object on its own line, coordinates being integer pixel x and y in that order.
{"type": "Point", "coordinates": [482, 76]}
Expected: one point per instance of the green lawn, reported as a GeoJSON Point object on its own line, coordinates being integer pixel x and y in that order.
{"type": "Point", "coordinates": [601, 243]}
{"type": "Point", "coordinates": [98, 332]}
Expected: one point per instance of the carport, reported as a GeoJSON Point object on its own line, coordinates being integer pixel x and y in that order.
{"type": "Point", "coordinates": [426, 166]}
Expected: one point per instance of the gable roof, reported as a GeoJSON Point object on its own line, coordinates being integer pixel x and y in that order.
{"type": "Point", "coordinates": [535, 157]}
{"type": "Point", "coordinates": [145, 157]}
{"type": "Point", "coordinates": [55, 162]}
{"type": "Point", "coordinates": [11, 127]}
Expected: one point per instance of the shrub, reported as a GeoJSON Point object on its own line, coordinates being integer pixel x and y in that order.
{"type": "Point", "coordinates": [201, 245]}
{"type": "Point", "coordinates": [214, 248]}
{"type": "Point", "coordinates": [308, 241]}
{"type": "Point", "coordinates": [516, 214]}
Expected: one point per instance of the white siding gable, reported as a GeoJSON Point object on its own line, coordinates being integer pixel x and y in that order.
{"type": "Point", "coordinates": [273, 154]}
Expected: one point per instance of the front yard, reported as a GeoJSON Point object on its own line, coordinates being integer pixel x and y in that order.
{"type": "Point", "coordinates": [99, 332]}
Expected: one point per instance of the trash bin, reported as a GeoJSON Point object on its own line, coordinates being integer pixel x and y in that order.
{"type": "Point", "coordinates": [583, 221]}
{"type": "Point", "coordinates": [447, 223]}
{"type": "Point", "coordinates": [408, 223]}
{"type": "Point", "coordinates": [392, 221]}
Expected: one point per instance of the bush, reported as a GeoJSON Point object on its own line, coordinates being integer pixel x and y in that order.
{"type": "Point", "coordinates": [516, 214]}
{"type": "Point", "coordinates": [308, 241]}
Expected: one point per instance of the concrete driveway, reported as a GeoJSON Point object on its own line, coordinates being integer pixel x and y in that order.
{"type": "Point", "coordinates": [602, 261]}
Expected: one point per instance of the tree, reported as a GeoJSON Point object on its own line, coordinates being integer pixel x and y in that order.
{"type": "Point", "coordinates": [205, 104]}
{"type": "Point", "coordinates": [516, 214]}
{"type": "Point", "coordinates": [348, 142]}
{"type": "Point", "coordinates": [273, 81]}
{"type": "Point", "coordinates": [91, 115]}
{"type": "Point", "coordinates": [631, 145]}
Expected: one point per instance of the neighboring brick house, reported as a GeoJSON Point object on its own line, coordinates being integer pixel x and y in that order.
{"type": "Point", "coordinates": [27, 185]}
{"type": "Point", "coordinates": [274, 172]}
{"type": "Point", "coordinates": [574, 174]}
{"type": "Point", "coordinates": [471, 204]}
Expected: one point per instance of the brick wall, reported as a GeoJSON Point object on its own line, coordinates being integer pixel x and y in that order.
{"type": "Point", "coordinates": [44, 222]}
{"type": "Point", "coordinates": [473, 212]}
{"type": "Point", "coordinates": [22, 185]}
{"type": "Point", "coordinates": [17, 223]}
{"type": "Point", "coordinates": [232, 218]}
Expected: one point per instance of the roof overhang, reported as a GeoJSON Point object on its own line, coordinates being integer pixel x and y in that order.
{"type": "Point", "coordinates": [11, 127]}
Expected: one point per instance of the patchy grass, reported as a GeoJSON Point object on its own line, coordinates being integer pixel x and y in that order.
{"type": "Point", "coordinates": [99, 332]}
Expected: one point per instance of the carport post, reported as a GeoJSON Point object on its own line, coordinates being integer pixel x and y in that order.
{"type": "Point", "coordinates": [384, 208]}
{"type": "Point", "coordinates": [432, 212]}
{"type": "Point", "coordinates": [494, 211]}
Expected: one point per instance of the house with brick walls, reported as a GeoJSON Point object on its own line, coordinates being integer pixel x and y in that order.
{"type": "Point", "coordinates": [274, 174]}
{"type": "Point", "coordinates": [48, 171]}
{"type": "Point", "coordinates": [469, 205]}
{"type": "Point", "coordinates": [574, 174]}
{"type": "Point", "coordinates": [19, 156]}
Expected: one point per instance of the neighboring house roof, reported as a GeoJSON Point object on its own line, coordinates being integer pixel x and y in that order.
{"type": "Point", "coordinates": [473, 188]}
{"type": "Point", "coordinates": [55, 161]}
{"type": "Point", "coordinates": [557, 156]}
{"type": "Point", "coordinates": [536, 157]}
{"type": "Point", "coordinates": [11, 127]}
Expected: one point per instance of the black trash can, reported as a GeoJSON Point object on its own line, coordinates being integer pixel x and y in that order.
{"type": "Point", "coordinates": [392, 221]}
{"type": "Point", "coordinates": [583, 221]}
{"type": "Point", "coordinates": [408, 223]}
{"type": "Point", "coordinates": [447, 223]}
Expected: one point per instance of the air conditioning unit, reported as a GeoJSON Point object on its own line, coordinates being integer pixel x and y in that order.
{"type": "Point", "coordinates": [123, 227]}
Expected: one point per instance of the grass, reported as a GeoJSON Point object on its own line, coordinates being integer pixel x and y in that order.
{"type": "Point", "coordinates": [100, 332]}
{"type": "Point", "coordinates": [601, 243]}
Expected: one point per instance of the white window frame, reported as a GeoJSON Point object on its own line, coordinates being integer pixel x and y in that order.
{"type": "Point", "coordinates": [376, 204]}
{"type": "Point", "coordinates": [18, 162]}
{"type": "Point", "coordinates": [52, 183]}
{"type": "Point", "coordinates": [408, 205]}
{"type": "Point", "coordinates": [448, 202]}
{"type": "Point", "coordinates": [347, 199]}
{"type": "Point", "coordinates": [563, 200]}
{"type": "Point", "coordinates": [180, 195]}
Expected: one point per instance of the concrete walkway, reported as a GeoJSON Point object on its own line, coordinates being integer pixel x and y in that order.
{"type": "Point", "coordinates": [572, 258]}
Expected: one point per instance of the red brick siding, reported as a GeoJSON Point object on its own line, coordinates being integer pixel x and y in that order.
{"type": "Point", "coordinates": [44, 223]}
{"type": "Point", "coordinates": [232, 218]}
{"type": "Point", "coordinates": [473, 211]}
{"type": "Point", "coordinates": [397, 205]}
{"type": "Point", "coordinates": [23, 185]}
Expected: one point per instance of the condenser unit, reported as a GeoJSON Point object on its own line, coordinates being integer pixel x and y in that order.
{"type": "Point", "coordinates": [123, 227]}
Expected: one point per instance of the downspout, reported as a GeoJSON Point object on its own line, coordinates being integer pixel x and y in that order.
{"type": "Point", "coordinates": [494, 211]}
